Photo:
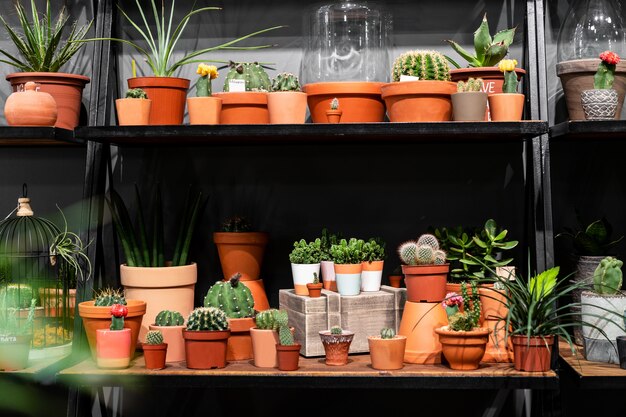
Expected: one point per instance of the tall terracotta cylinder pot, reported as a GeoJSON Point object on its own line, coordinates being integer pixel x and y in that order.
{"type": "Point", "coordinates": [162, 288]}
{"type": "Point", "coordinates": [419, 321]}
{"type": "Point", "coordinates": [287, 107]}
{"type": "Point", "coordinates": [241, 252]}
{"type": "Point", "coordinates": [168, 95]}
{"type": "Point", "coordinates": [264, 347]}
{"type": "Point", "coordinates": [66, 89]}
{"type": "Point", "coordinates": [240, 343]}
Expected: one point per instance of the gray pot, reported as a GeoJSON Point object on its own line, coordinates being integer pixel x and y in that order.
{"type": "Point", "coordinates": [470, 106]}
{"type": "Point", "coordinates": [585, 268]}
{"type": "Point", "coordinates": [599, 104]}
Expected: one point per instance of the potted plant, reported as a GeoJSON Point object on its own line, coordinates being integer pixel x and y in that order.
{"type": "Point", "coordinates": [265, 338]}
{"type": "Point", "coordinates": [234, 299]}
{"type": "Point", "coordinates": [421, 88]}
{"type": "Point", "coordinates": [206, 338]}
{"type": "Point", "coordinates": [373, 262]}
{"type": "Point", "coordinates": [113, 345]}
{"type": "Point", "coordinates": [146, 275]}
{"type": "Point", "coordinates": [287, 350]}
{"type": "Point", "coordinates": [333, 115]}
{"type": "Point", "coordinates": [305, 263]}
{"type": "Point", "coordinates": [154, 350]}
{"type": "Point", "coordinates": [336, 343]}
{"type": "Point", "coordinates": [15, 337]}
{"type": "Point", "coordinates": [395, 279]}
{"type": "Point", "coordinates": [463, 341]}
{"type": "Point", "coordinates": [425, 269]}
{"type": "Point", "coordinates": [315, 287]}
{"type": "Point", "coordinates": [327, 266]}
{"type": "Point", "coordinates": [30, 107]}
{"type": "Point", "coordinates": [134, 110]}
{"type": "Point", "coordinates": [42, 54]}
{"type": "Point", "coordinates": [171, 324]}
{"type": "Point", "coordinates": [507, 106]}
{"type": "Point", "coordinates": [387, 350]}
{"type": "Point", "coordinates": [348, 259]}
{"type": "Point", "coordinates": [205, 109]}
{"type": "Point", "coordinates": [601, 103]}
{"type": "Point", "coordinates": [286, 102]}
{"type": "Point", "coordinates": [469, 103]}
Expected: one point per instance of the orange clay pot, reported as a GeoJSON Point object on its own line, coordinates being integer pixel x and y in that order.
{"type": "Point", "coordinates": [264, 347]}
{"type": "Point", "coordinates": [287, 357]}
{"type": "Point", "coordinates": [258, 294]}
{"type": "Point", "coordinates": [387, 354]}
{"type": "Point", "coordinates": [206, 349]}
{"type": "Point", "coordinates": [333, 116]}
{"type": "Point", "coordinates": [419, 321]}
{"type": "Point", "coordinates": [532, 355]}
{"type": "Point", "coordinates": [315, 290]}
{"type": "Point", "coordinates": [244, 108]}
{"type": "Point", "coordinates": [173, 336]}
{"type": "Point", "coordinates": [168, 95]}
{"type": "Point", "coordinates": [395, 281]}
{"type": "Point", "coordinates": [241, 252]}
{"type": "Point", "coordinates": [239, 343]}
{"type": "Point", "coordinates": [425, 283]}
{"type": "Point", "coordinates": [133, 111]}
{"type": "Point", "coordinates": [30, 107]}
{"type": "Point", "coordinates": [463, 350]}
{"type": "Point", "coordinates": [498, 350]}
{"type": "Point", "coordinates": [113, 348]}
{"type": "Point", "coordinates": [154, 355]}
{"type": "Point", "coordinates": [204, 110]}
{"type": "Point", "coordinates": [493, 303]}
{"type": "Point", "coordinates": [419, 101]}
{"type": "Point", "coordinates": [360, 101]}
{"type": "Point", "coordinates": [336, 347]}
{"type": "Point", "coordinates": [506, 107]}
{"type": "Point", "coordinates": [287, 107]}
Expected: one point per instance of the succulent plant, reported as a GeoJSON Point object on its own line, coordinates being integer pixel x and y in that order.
{"type": "Point", "coordinates": [469, 318]}
{"type": "Point", "coordinates": [424, 251]}
{"type": "Point", "coordinates": [254, 75]}
{"type": "Point", "coordinates": [285, 336]}
{"type": "Point", "coordinates": [108, 296]}
{"type": "Point", "coordinates": [236, 224]}
{"type": "Point", "coordinates": [374, 250]}
{"type": "Point", "coordinates": [607, 278]}
{"type": "Point", "coordinates": [334, 104]}
{"type": "Point", "coordinates": [426, 65]}
{"type": "Point", "coordinates": [231, 296]}
{"type": "Point", "coordinates": [348, 252]}
{"type": "Point", "coordinates": [316, 278]}
{"type": "Point", "coordinates": [336, 330]}
{"type": "Point", "coordinates": [207, 318]}
{"type": "Point", "coordinates": [169, 318]}
{"type": "Point", "coordinates": [204, 85]}
{"type": "Point", "coordinates": [154, 337]}
{"type": "Point", "coordinates": [15, 296]}
{"type": "Point", "coordinates": [118, 312]}
{"type": "Point", "coordinates": [306, 253]}
{"type": "Point", "coordinates": [471, 85]}
{"type": "Point", "coordinates": [594, 239]}
{"type": "Point", "coordinates": [136, 93]}
{"type": "Point", "coordinates": [387, 333]}
{"type": "Point", "coordinates": [266, 320]}
{"type": "Point", "coordinates": [285, 81]}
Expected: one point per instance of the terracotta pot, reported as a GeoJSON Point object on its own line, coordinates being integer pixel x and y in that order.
{"type": "Point", "coordinates": [387, 354]}
{"type": "Point", "coordinates": [96, 317]}
{"type": "Point", "coordinates": [241, 252]}
{"type": "Point", "coordinates": [56, 303]}
{"type": "Point", "coordinates": [372, 276]}
{"type": "Point", "coordinates": [264, 347]}
{"type": "Point", "coordinates": [532, 355]}
{"type": "Point", "coordinates": [360, 101]}
{"type": "Point", "coordinates": [113, 348]}
{"type": "Point", "coordinates": [287, 107]}
{"type": "Point", "coordinates": [395, 281]}
{"type": "Point", "coordinates": [499, 349]}
{"type": "Point", "coordinates": [315, 290]}
{"type": "Point", "coordinates": [469, 106]}
{"type": "Point", "coordinates": [333, 116]}
{"type": "Point", "coordinates": [348, 277]}
{"type": "Point", "coordinates": [493, 303]}
{"type": "Point", "coordinates": [506, 107]}
{"type": "Point", "coordinates": [14, 352]}
{"type": "Point", "coordinates": [287, 357]}
{"type": "Point", "coordinates": [66, 89]}
{"type": "Point", "coordinates": [206, 349]}
{"type": "Point", "coordinates": [162, 288]}
{"type": "Point", "coordinates": [258, 294]}
{"type": "Point", "coordinates": [133, 111]}
{"type": "Point", "coordinates": [173, 337]}
{"type": "Point", "coordinates": [599, 104]}
{"type": "Point", "coordinates": [419, 321]}
{"type": "Point", "coordinates": [328, 275]}
{"type": "Point", "coordinates": [577, 76]}
{"type": "Point", "coordinates": [204, 110]}
{"type": "Point", "coordinates": [493, 78]}
{"type": "Point", "coordinates": [463, 350]}
{"type": "Point", "coordinates": [425, 283]}
{"type": "Point", "coordinates": [419, 101]}
{"type": "Point", "coordinates": [30, 107]}
{"type": "Point", "coordinates": [336, 346]}
{"type": "Point", "coordinates": [303, 274]}
{"type": "Point", "coordinates": [168, 95]}
{"type": "Point", "coordinates": [239, 343]}
{"type": "Point", "coordinates": [247, 108]}
{"type": "Point", "coordinates": [155, 355]}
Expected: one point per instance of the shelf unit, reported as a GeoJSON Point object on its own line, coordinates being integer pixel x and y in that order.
{"type": "Point", "coordinates": [37, 136]}
{"type": "Point", "coordinates": [589, 130]}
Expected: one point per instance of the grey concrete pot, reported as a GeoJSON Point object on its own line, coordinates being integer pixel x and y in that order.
{"type": "Point", "coordinates": [606, 314]}
{"type": "Point", "coordinates": [585, 268]}
{"type": "Point", "coordinates": [469, 106]}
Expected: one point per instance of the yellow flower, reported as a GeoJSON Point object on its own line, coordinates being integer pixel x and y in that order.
{"type": "Point", "coordinates": [507, 65]}
{"type": "Point", "coordinates": [210, 70]}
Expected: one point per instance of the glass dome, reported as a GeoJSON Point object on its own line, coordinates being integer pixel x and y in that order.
{"type": "Point", "coordinates": [591, 27]}
{"type": "Point", "coordinates": [346, 41]}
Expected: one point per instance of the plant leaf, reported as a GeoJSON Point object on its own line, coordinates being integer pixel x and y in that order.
{"type": "Point", "coordinates": [505, 36]}
{"type": "Point", "coordinates": [482, 39]}
{"type": "Point", "coordinates": [472, 61]}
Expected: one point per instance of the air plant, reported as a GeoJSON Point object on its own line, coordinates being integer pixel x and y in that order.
{"type": "Point", "coordinates": [70, 247]}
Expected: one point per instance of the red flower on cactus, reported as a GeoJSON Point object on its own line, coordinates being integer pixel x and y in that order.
{"type": "Point", "coordinates": [610, 58]}
{"type": "Point", "coordinates": [119, 310]}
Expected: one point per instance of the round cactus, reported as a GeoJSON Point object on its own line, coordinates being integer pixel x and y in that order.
{"type": "Point", "coordinates": [607, 278]}
{"type": "Point", "coordinates": [154, 337]}
{"type": "Point", "coordinates": [107, 297]}
{"type": "Point", "coordinates": [207, 318]}
{"type": "Point", "coordinates": [266, 320]}
{"type": "Point", "coordinates": [254, 75]}
{"type": "Point", "coordinates": [136, 93]}
{"type": "Point", "coordinates": [336, 330]}
{"type": "Point", "coordinates": [408, 252]}
{"type": "Point", "coordinates": [285, 81]}
{"type": "Point", "coordinates": [439, 257]}
{"type": "Point", "coordinates": [426, 65]}
{"type": "Point", "coordinates": [425, 255]}
{"type": "Point", "coordinates": [428, 240]}
{"type": "Point", "coordinates": [387, 333]}
{"type": "Point", "coordinates": [234, 298]}
{"type": "Point", "coordinates": [169, 318]}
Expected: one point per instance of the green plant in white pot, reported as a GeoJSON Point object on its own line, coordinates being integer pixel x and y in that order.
{"type": "Point", "coordinates": [373, 262]}
{"type": "Point", "coordinates": [305, 264]}
{"type": "Point", "coordinates": [348, 258]}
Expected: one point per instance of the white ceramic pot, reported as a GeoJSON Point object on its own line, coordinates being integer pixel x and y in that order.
{"type": "Point", "coordinates": [302, 275]}
{"type": "Point", "coordinates": [371, 276]}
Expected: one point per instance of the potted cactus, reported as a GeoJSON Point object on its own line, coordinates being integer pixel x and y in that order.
{"type": "Point", "coordinates": [602, 101]}
{"type": "Point", "coordinates": [425, 269]}
{"type": "Point", "coordinates": [333, 115]}
{"type": "Point", "coordinates": [154, 350]}
{"type": "Point", "coordinates": [469, 103]}
{"type": "Point", "coordinates": [113, 345]}
{"type": "Point", "coordinates": [373, 262]}
{"type": "Point", "coordinates": [15, 337]}
{"type": "Point", "coordinates": [286, 102]}
{"type": "Point", "coordinates": [235, 300]}
{"type": "Point", "coordinates": [327, 266]}
{"type": "Point", "coordinates": [336, 343]}
{"type": "Point", "coordinates": [348, 259]}
{"type": "Point", "coordinates": [305, 264]}
{"type": "Point", "coordinates": [287, 350]}
{"type": "Point", "coordinates": [507, 106]}
{"type": "Point", "coordinates": [387, 350]}
{"type": "Point", "coordinates": [395, 278]}
{"type": "Point", "coordinates": [204, 109]}
{"type": "Point", "coordinates": [171, 324]}
{"type": "Point", "coordinates": [265, 338]}
{"type": "Point", "coordinates": [134, 110]}
{"type": "Point", "coordinates": [206, 338]}
{"type": "Point", "coordinates": [421, 89]}
{"type": "Point", "coordinates": [315, 287]}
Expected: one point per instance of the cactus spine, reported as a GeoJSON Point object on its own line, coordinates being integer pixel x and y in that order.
{"type": "Point", "coordinates": [154, 337]}
{"type": "Point", "coordinates": [607, 278]}
{"type": "Point", "coordinates": [425, 251]}
{"type": "Point", "coordinates": [136, 93]}
{"type": "Point", "coordinates": [169, 318]}
{"type": "Point", "coordinates": [284, 332]}
{"type": "Point", "coordinates": [254, 75]}
{"type": "Point", "coordinates": [472, 85]}
{"type": "Point", "coordinates": [336, 330]}
{"type": "Point", "coordinates": [207, 318]}
{"type": "Point", "coordinates": [107, 297]}
{"type": "Point", "coordinates": [387, 333]}
{"type": "Point", "coordinates": [408, 253]}
{"type": "Point", "coordinates": [285, 81]}
{"type": "Point", "coordinates": [234, 298]}
{"type": "Point", "coordinates": [266, 320]}
{"type": "Point", "coordinates": [426, 65]}
{"type": "Point", "coordinates": [316, 279]}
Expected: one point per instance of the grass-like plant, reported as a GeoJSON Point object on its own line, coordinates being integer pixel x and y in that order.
{"type": "Point", "coordinates": [39, 41]}
{"type": "Point", "coordinates": [69, 246]}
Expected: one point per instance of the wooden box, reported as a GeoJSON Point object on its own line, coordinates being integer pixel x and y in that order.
{"type": "Point", "coordinates": [365, 315]}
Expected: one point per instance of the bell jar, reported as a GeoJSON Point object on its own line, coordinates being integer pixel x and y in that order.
{"type": "Point", "coordinates": [346, 41]}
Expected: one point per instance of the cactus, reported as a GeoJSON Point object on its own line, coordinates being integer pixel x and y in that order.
{"type": "Point", "coordinates": [426, 65]}
{"type": "Point", "coordinates": [284, 332]}
{"type": "Point", "coordinates": [387, 333]}
{"type": "Point", "coordinates": [428, 240]}
{"type": "Point", "coordinates": [439, 257]}
{"type": "Point", "coordinates": [236, 224]}
{"type": "Point", "coordinates": [107, 297]}
{"type": "Point", "coordinates": [169, 318]}
{"type": "Point", "coordinates": [118, 312]}
{"type": "Point", "coordinates": [408, 253]}
{"type": "Point", "coordinates": [266, 320]}
{"type": "Point", "coordinates": [507, 67]}
{"type": "Point", "coordinates": [254, 75]}
{"type": "Point", "coordinates": [154, 337]}
{"type": "Point", "coordinates": [234, 298]}
{"type": "Point", "coordinates": [336, 330]}
{"type": "Point", "coordinates": [203, 85]}
{"type": "Point", "coordinates": [285, 81]}
{"type": "Point", "coordinates": [136, 93]}
{"type": "Point", "coordinates": [607, 278]}
{"type": "Point", "coordinates": [334, 104]}
{"type": "Point", "coordinates": [472, 85]}
{"type": "Point", "coordinates": [425, 255]}
{"type": "Point", "coordinates": [470, 317]}
{"type": "Point", "coordinates": [15, 296]}
{"type": "Point", "coordinates": [316, 279]}
{"type": "Point", "coordinates": [207, 318]}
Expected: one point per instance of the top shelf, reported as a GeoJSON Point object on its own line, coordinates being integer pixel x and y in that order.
{"type": "Point", "coordinates": [589, 129]}
{"type": "Point", "coordinates": [36, 136]}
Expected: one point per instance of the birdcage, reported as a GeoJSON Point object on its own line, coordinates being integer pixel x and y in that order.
{"type": "Point", "coordinates": [29, 270]}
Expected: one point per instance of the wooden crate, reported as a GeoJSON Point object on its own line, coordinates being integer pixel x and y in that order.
{"type": "Point", "coordinates": [364, 314]}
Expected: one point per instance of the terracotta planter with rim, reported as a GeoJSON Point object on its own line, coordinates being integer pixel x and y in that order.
{"type": "Point", "coordinates": [506, 107]}
{"type": "Point", "coordinates": [258, 294]}
{"type": "Point", "coordinates": [204, 110]}
{"type": "Point", "coordinates": [173, 337]}
{"type": "Point", "coordinates": [493, 303]}
{"type": "Point", "coordinates": [168, 95]}
{"type": "Point", "coordinates": [336, 347]}
{"type": "Point", "coordinates": [162, 288]}
{"type": "Point", "coordinates": [532, 355]}
{"type": "Point", "coordinates": [244, 108]}
{"type": "Point", "coordinates": [287, 107]}
{"type": "Point", "coordinates": [133, 111]}
{"type": "Point", "coordinates": [155, 355]}
{"type": "Point", "coordinates": [333, 116]}
{"type": "Point", "coordinates": [113, 348]}
{"type": "Point", "coordinates": [387, 354]}
{"type": "Point", "coordinates": [54, 301]}
{"type": "Point", "coordinates": [425, 283]}
{"type": "Point", "coordinates": [264, 347]}
{"type": "Point", "coordinates": [66, 89]}
{"type": "Point", "coordinates": [30, 107]}
{"type": "Point", "coordinates": [14, 352]}
{"type": "Point", "coordinates": [206, 349]}
{"type": "Point", "coordinates": [315, 290]}
{"type": "Point", "coordinates": [419, 101]}
{"type": "Point", "coordinates": [348, 277]}
{"type": "Point", "coordinates": [359, 101]}
{"type": "Point", "coordinates": [96, 317]}
{"type": "Point", "coordinates": [395, 281]}
{"type": "Point", "coordinates": [287, 357]}
{"type": "Point", "coordinates": [419, 321]}
{"type": "Point", "coordinates": [241, 252]}
{"type": "Point", "coordinates": [239, 343]}
{"type": "Point", "coordinates": [463, 349]}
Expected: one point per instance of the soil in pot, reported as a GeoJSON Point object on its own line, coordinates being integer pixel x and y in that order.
{"type": "Point", "coordinates": [360, 102]}
{"type": "Point", "coordinates": [425, 283]}
{"type": "Point", "coordinates": [288, 357]}
{"type": "Point", "coordinates": [336, 347]}
{"type": "Point", "coordinates": [419, 101]}
{"type": "Point", "coordinates": [532, 354]}
{"type": "Point", "coordinates": [155, 355]}
{"type": "Point", "coordinates": [264, 347]}
{"type": "Point", "coordinates": [204, 110]}
{"type": "Point", "coordinates": [206, 349]}
{"type": "Point", "coordinates": [168, 96]}
{"type": "Point", "coordinates": [173, 337]}
{"type": "Point", "coordinates": [506, 107]}
{"type": "Point", "coordinates": [133, 111]}
{"type": "Point", "coordinates": [287, 107]}
{"type": "Point", "coordinates": [244, 108]}
{"type": "Point", "coordinates": [463, 349]}
{"type": "Point", "coordinates": [387, 354]}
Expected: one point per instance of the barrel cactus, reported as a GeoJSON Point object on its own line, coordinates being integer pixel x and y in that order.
{"type": "Point", "coordinates": [285, 81]}
{"type": "Point", "coordinates": [424, 251]}
{"type": "Point", "coordinates": [169, 318]}
{"type": "Point", "coordinates": [473, 85]}
{"type": "Point", "coordinates": [266, 320]}
{"type": "Point", "coordinates": [284, 332]}
{"type": "Point", "coordinates": [136, 93]}
{"type": "Point", "coordinates": [107, 297]}
{"type": "Point", "coordinates": [154, 337]}
{"type": "Point", "coordinates": [336, 330]}
{"type": "Point", "coordinates": [426, 65]}
{"type": "Point", "coordinates": [207, 318]}
{"type": "Point", "coordinates": [234, 298]}
{"type": "Point", "coordinates": [387, 333]}
{"type": "Point", "coordinates": [252, 73]}
{"type": "Point", "coordinates": [607, 278]}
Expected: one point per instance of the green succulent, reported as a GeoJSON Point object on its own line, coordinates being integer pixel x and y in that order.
{"type": "Point", "coordinates": [306, 253]}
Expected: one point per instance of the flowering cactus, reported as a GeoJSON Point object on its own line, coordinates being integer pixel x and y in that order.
{"type": "Point", "coordinates": [207, 73]}
{"type": "Point", "coordinates": [118, 312]}
{"type": "Point", "coordinates": [603, 80]}
{"type": "Point", "coordinates": [507, 66]}
{"type": "Point", "coordinates": [451, 303]}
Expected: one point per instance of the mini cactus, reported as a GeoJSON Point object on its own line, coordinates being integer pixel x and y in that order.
{"type": "Point", "coordinates": [607, 278]}
{"type": "Point", "coordinates": [439, 257]}
{"type": "Point", "coordinates": [107, 297]}
{"type": "Point", "coordinates": [387, 333]}
{"type": "Point", "coordinates": [423, 252]}
{"type": "Point", "coordinates": [266, 320]}
{"type": "Point", "coordinates": [207, 318]}
{"type": "Point", "coordinates": [425, 255]}
{"type": "Point", "coordinates": [336, 330]}
{"type": "Point", "coordinates": [334, 104]}
{"type": "Point", "coordinates": [285, 81]}
{"type": "Point", "coordinates": [234, 298]}
{"type": "Point", "coordinates": [428, 240]}
{"type": "Point", "coordinates": [207, 73]}
{"type": "Point", "coordinates": [118, 312]}
{"type": "Point", "coordinates": [254, 75]}
{"type": "Point", "coordinates": [472, 85]}
{"type": "Point", "coordinates": [316, 279]}
{"type": "Point", "coordinates": [507, 66]}
{"type": "Point", "coordinates": [136, 93]}
{"type": "Point", "coordinates": [408, 253]}
{"type": "Point", "coordinates": [236, 224]}
{"type": "Point", "coordinates": [285, 336]}
{"type": "Point", "coordinates": [169, 318]}
{"type": "Point", "coordinates": [154, 337]}
{"type": "Point", "coordinates": [426, 65]}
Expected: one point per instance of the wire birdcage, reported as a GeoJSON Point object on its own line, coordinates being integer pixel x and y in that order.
{"type": "Point", "coordinates": [29, 271]}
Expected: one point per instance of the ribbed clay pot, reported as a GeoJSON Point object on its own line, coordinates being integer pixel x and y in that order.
{"type": "Point", "coordinates": [168, 96]}
{"type": "Point", "coordinates": [360, 102]}
{"type": "Point", "coordinates": [287, 107]}
{"type": "Point", "coordinates": [133, 111]}
{"type": "Point", "coordinates": [244, 108]}
{"type": "Point", "coordinates": [419, 101]}
{"type": "Point", "coordinates": [336, 347]}
{"type": "Point", "coordinates": [425, 283]}
{"type": "Point", "coordinates": [532, 355]}
{"type": "Point", "coordinates": [30, 107]}
{"type": "Point", "coordinates": [463, 349]}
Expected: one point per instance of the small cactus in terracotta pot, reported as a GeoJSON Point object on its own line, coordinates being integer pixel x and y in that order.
{"type": "Point", "coordinates": [334, 114]}
{"type": "Point", "coordinates": [469, 103]}
{"type": "Point", "coordinates": [315, 288]}
{"type": "Point", "coordinates": [154, 350]}
{"type": "Point", "coordinates": [287, 349]}
{"type": "Point", "coordinates": [387, 350]}
{"type": "Point", "coordinates": [204, 109]}
{"type": "Point", "coordinates": [507, 106]}
{"type": "Point", "coordinates": [336, 343]}
{"type": "Point", "coordinates": [134, 109]}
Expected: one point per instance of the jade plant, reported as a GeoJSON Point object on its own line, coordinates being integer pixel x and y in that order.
{"type": "Point", "coordinates": [306, 253]}
{"type": "Point", "coordinates": [285, 336]}
{"type": "Point", "coordinates": [348, 252]}
{"type": "Point", "coordinates": [266, 320]}
{"type": "Point", "coordinates": [207, 319]}
{"type": "Point", "coordinates": [469, 318]}
{"type": "Point", "coordinates": [232, 297]}
{"type": "Point", "coordinates": [252, 73]}
{"type": "Point", "coordinates": [285, 81]}
{"type": "Point", "coordinates": [604, 76]}
{"type": "Point", "coordinates": [425, 65]}
{"type": "Point", "coordinates": [507, 67]}
{"type": "Point", "coordinates": [607, 278]}
{"type": "Point", "coordinates": [424, 251]}
{"type": "Point", "coordinates": [203, 85]}
{"type": "Point", "coordinates": [118, 312]}
{"type": "Point", "coordinates": [387, 333]}
{"type": "Point", "coordinates": [595, 239]}
{"type": "Point", "coordinates": [166, 318]}
{"type": "Point", "coordinates": [108, 297]}
{"type": "Point", "coordinates": [138, 93]}
{"type": "Point", "coordinates": [154, 337]}
{"type": "Point", "coordinates": [473, 85]}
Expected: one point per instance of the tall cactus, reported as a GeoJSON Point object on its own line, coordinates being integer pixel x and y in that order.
{"type": "Point", "coordinates": [234, 298]}
{"type": "Point", "coordinates": [169, 318]}
{"type": "Point", "coordinates": [607, 278]}
{"type": "Point", "coordinates": [252, 73]}
{"type": "Point", "coordinates": [284, 332]}
{"type": "Point", "coordinates": [207, 318]}
{"type": "Point", "coordinates": [426, 65]}
{"type": "Point", "coordinates": [266, 320]}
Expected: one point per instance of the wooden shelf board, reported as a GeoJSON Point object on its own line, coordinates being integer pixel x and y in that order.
{"type": "Point", "coordinates": [35, 367]}
{"type": "Point", "coordinates": [589, 129]}
{"type": "Point", "coordinates": [36, 136]}
{"type": "Point", "coordinates": [592, 374]}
